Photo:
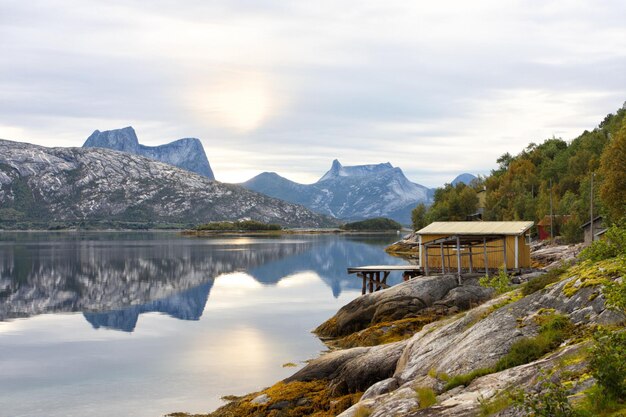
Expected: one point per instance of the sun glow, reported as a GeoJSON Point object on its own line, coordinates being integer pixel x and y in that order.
{"type": "Point", "coordinates": [241, 104]}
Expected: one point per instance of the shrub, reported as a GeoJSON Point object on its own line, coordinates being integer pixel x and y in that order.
{"type": "Point", "coordinates": [613, 244]}
{"type": "Point", "coordinates": [501, 282]}
{"type": "Point", "coordinates": [608, 363]}
{"type": "Point", "coordinates": [549, 401]}
{"type": "Point", "coordinates": [615, 294]}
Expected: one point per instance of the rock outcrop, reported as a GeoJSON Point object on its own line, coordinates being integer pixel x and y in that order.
{"type": "Point", "coordinates": [82, 185]}
{"type": "Point", "coordinates": [187, 153]}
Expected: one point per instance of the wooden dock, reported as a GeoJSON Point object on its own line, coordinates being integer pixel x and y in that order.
{"type": "Point", "coordinates": [375, 276]}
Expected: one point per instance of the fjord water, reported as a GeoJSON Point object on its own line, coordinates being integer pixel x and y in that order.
{"type": "Point", "coordinates": [141, 324]}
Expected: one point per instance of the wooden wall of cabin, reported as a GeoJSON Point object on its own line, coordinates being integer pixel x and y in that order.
{"type": "Point", "coordinates": [495, 257]}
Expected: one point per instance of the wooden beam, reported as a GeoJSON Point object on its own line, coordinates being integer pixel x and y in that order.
{"type": "Point", "coordinates": [504, 253]}
{"type": "Point", "coordinates": [516, 252]}
{"type": "Point", "coordinates": [471, 261]}
{"type": "Point", "coordinates": [421, 247]}
{"type": "Point", "coordinates": [443, 261]}
{"type": "Point", "coordinates": [486, 257]}
{"type": "Point", "coordinates": [426, 264]}
{"type": "Point", "coordinates": [371, 277]}
{"type": "Point", "coordinates": [458, 258]}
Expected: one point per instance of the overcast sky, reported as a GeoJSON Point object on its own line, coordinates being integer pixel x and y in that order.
{"type": "Point", "coordinates": [436, 88]}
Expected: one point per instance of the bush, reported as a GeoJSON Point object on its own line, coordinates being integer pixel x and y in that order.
{"type": "Point", "coordinates": [615, 294]}
{"type": "Point", "coordinates": [612, 245]}
{"type": "Point", "coordinates": [549, 401]}
{"type": "Point", "coordinates": [608, 363]}
{"type": "Point", "coordinates": [501, 282]}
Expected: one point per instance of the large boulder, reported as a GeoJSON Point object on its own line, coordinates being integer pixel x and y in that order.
{"type": "Point", "coordinates": [406, 299]}
{"type": "Point", "coordinates": [352, 370]}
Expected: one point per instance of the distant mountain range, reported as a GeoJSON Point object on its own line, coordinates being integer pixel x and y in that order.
{"type": "Point", "coordinates": [95, 185]}
{"type": "Point", "coordinates": [42, 186]}
{"type": "Point", "coordinates": [187, 153]}
{"type": "Point", "coordinates": [350, 192]}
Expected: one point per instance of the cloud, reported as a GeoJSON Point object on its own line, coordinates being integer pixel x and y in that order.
{"type": "Point", "coordinates": [436, 88]}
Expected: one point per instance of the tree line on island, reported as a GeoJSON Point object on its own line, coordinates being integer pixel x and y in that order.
{"type": "Point", "coordinates": [554, 173]}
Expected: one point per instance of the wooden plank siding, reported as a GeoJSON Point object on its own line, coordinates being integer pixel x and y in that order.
{"type": "Point", "coordinates": [495, 256]}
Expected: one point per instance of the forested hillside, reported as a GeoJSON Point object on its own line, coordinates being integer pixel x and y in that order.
{"type": "Point", "coordinates": [521, 186]}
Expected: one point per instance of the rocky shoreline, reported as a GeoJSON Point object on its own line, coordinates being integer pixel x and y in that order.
{"type": "Point", "coordinates": [432, 347]}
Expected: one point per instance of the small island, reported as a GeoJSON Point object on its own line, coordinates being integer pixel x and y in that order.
{"type": "Point", "coordinates": [255, 227]}
{"type": "Point", "coordinates": [378, 224]}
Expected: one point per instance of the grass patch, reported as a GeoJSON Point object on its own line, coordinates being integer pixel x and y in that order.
{"type": "Point", "coordinates": [386, 332]}
{"type": "Point", "coordinates": [540, 282]}
{"type": "Point", "coordinates": [466, 379]}
{"type": "Point", "coordinates": [553, 330]}
{"type": "Point", "coordinates": [362, 411]}
{"type": "Point", "coordinates": [426, 397]}
{"type": "Point", "coordinates": [494, 405]}
{"type": "Point", "coordinates": [592, 273]}
{"type": "Point", "coordinates": [289, 365]}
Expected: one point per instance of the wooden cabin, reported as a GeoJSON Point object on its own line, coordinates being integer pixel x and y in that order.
{"type": "Point", "coordinates": [455, 247]}
{"type": "Point", "coordinates": [593, 230]}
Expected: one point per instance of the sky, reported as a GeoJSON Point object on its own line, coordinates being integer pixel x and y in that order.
{"type": "Point", "coordinates": [437, 88]}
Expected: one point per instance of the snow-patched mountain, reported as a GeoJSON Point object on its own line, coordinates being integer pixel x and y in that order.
{"type": "Point", "coordinates": [465, 178]}
{"type": "Point", "coordinates": [187, 153]}
{"type": "Point", "coordinates": [350, 192]}
{"type": "Point", "coordinates": [40, 185]}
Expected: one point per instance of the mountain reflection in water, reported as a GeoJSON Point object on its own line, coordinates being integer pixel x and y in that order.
{"type": "Point", "coordinates": [113, 281]}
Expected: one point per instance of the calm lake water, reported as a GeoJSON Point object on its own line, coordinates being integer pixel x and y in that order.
{"type": "Point", "coordinates": [141, 324]}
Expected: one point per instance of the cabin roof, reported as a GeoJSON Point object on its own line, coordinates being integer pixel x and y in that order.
{"type": "Point", "coordinates": [475, 228]}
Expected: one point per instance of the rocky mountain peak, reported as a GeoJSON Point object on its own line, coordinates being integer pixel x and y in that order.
{"type": "Point", "coordinates": [338, 170]}
{"type": "Point", "coordinates": [124, 140]}
{"type": "Point", "coordinates": [186, 153]}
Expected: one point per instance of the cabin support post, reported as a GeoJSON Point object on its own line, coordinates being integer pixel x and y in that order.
{"type": "Point", "coordinates": [371, 275]}
{"type": "Point", "coordinates": [443, 261]}
{"type": "Point", "coordinates": [516, 252]}
{"type": "Point", "coordinates": [486, 257]}
{"type": "Point", "coordinates": [426, 260]}
{"type": "Point", "coordinates": [504, 254]}
{"type": "Point", "coordinates": [471, 261]}
{"type": "Point", "coordinates": [458, 258]}
{"type": "Point", "coordinates": [421, 248]}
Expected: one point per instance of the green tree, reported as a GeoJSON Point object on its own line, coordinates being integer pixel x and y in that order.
{"type": "Point", "coordinates": [418, 216]}
{"type": "Point", "coordinates": [613, 172]}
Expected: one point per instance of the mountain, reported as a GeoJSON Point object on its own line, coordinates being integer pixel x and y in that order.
{"type": "Point", "coordinates": [40, 186]}
{"type": "Point", "coordinates": [349, 192]}
{"type": "Point", "coordinates": [464, 178]}
{"type": "Point", "coordinates": [187, 153]}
